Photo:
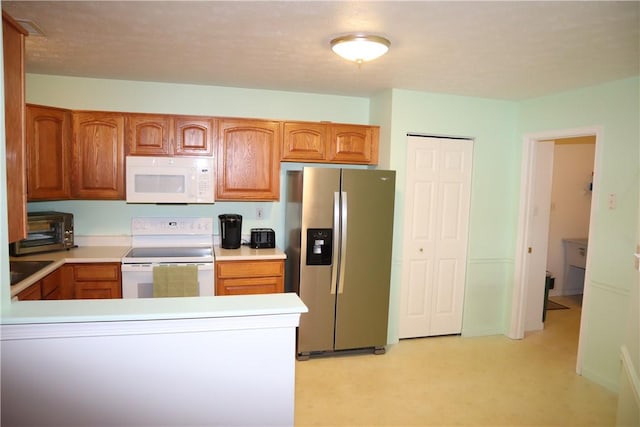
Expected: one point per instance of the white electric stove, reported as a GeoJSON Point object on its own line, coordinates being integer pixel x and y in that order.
{"type": "Point", "coordinates": [167, 241]}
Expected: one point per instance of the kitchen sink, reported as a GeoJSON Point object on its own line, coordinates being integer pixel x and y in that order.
{"type": "Point", "coordinates": [20, 270]}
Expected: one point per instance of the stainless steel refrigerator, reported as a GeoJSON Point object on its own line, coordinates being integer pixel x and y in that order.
{"type": "Point", "coordinates": [339, 232]}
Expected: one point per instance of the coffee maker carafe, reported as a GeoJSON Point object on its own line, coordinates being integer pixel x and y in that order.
{"type": "Point", "coordinates": [230, 230]}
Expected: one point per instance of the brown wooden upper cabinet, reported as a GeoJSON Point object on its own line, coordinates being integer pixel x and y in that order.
{"type": "Point", "coordinates": [14, 122]}
{"type": "Point", "coordinates": [167, 135]}
{"type": "Point", "coordinates": [81, 154]}
{"type": "Point", "coordinates": [305, 142]}
{"type": "Point", "coordinates": [330, 143]}
{"type": "Point", "coordinates": [98, 156]}
{"type": "Point", "coordinates": [193, 136]}
{"type": "Point", "coordinates": [248, 160]}
{"type": "Point", "coordinates": [48, 153]}
{"type": "Point", "coordinates": [353, 144]}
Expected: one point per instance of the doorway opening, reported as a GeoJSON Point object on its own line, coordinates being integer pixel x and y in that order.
{"type": "Point", "coordinates": [535, 236]}
{"type": "Point", "coordinates": [570, 208]}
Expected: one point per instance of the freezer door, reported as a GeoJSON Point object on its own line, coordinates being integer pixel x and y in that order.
{"type": "Point", "coordinates": [363, 295]}
{"type": "Point", "coordinates": [315, 333]}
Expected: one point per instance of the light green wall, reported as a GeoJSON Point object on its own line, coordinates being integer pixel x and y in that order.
{"type": "Point", "coordinates": [150, 97]}
{"type": "Point", "coordinates": [615, 107]}
{"type": "Point", "coordinates": [381, 114]}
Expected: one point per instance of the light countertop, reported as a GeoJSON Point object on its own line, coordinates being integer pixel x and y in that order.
{"type": "Point", "coordinates": [80, 254]}
{"type": "Point", "coordinates": [111, 310]}
{"type": "Point", "coordinates": [247, 253]}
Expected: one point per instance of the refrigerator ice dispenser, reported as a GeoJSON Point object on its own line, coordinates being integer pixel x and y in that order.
{"type": "Point", "coordinates": [319, 246]}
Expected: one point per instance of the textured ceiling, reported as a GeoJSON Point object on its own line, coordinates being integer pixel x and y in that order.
{"type": "Point", "coordinates": [505, 50]}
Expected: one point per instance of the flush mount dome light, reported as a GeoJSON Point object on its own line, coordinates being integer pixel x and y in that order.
{"type": "Point", "coordinates": [360, 48]}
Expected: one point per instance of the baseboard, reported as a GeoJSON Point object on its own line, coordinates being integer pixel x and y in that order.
{"type": "Point", "coordinates": [599, 379]}
{"type": "Point", "coordinates": [629, 397]}
{"type": "Point", "coordinates": [630, 369]}
{"type": "Point", "coordinates": [471, 332]}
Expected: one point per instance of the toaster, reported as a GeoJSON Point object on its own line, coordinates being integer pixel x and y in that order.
{"type": "Point", "coordinates": [262, 238]}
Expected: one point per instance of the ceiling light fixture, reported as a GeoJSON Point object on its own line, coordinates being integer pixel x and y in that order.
{"type": "Point", "coordinates": [360, 48]}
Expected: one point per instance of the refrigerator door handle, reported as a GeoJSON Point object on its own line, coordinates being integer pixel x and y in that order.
{"type": "Point", "coordinates": [343, 241]}
{"type": "Point", "coordinates": [336, 241]}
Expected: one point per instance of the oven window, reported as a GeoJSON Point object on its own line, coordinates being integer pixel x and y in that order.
{"type": "Point", "coordinates": [174, 184]}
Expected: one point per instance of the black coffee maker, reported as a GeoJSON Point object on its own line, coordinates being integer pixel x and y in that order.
{"type": "Point", "coordinates": [230, 230]}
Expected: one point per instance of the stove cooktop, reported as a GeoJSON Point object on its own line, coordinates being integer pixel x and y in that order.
{"type": "Point", "coordinates": [172, 252]}
{"type": "Point", "coordinates": [141, 255]}
{"type": "Point", "coordinates": [170, 240]}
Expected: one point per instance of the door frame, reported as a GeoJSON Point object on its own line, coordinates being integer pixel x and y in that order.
{"type": "Point", "coordinates": [521, 266]}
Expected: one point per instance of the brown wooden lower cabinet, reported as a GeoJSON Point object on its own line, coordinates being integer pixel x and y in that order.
{"type": "Point", "coordinates": [47, 288]}
{"type": "Point", "coordinates": [77, 281]}
{"type": "Point", "coordinates": [249, 277]}
{"type": "Point", "coordinates": [92, 281]}
{"type": "Point", "coordinates": [51, 285]}
{"type": "Point", "coordinates": [97, 290]}
{"type": "Point", "coordinates": [33, 292]}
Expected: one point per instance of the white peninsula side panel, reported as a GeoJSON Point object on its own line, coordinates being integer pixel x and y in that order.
{"type": "Point", "coordinates": [231, 370]}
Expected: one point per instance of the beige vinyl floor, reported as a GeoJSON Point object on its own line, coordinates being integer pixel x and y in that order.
{"type": "Point", "coordinates": [443, 381]}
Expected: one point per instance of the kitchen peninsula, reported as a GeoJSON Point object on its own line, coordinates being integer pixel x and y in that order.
{"type": "Point", "coordinates": [219, 360]}
{"type": "Point", "coordinates": [165, 361]}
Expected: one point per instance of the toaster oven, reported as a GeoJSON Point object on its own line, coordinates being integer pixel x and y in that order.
{"type": "Point", "coordinates": [262, 238]}
{"type": "Point", "coordinates": [46, 231]}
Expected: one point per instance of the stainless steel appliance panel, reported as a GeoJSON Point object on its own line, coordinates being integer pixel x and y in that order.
{"type": "Point", "coordinates": [339, 226]}
{"type": "Point", "coordinates": [316, 331]}
{"type": "Point", "coordinates": [363, 293]}
{"type": "Point", "coordinates": [46, 231]}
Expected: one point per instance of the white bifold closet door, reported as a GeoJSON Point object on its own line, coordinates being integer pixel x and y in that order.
{"type": "Point", "coordinates": [436, 223]}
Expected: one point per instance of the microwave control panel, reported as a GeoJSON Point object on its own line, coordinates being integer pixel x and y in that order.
{"type": "Point", "coordinates": [204, 173]}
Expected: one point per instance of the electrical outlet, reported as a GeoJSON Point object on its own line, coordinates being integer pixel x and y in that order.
{"type": "Point", "coordinates": [612, 201]}
{"type": "Point", "coordinates": [259, 213]}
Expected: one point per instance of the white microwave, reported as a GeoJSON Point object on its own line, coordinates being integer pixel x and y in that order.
{"type": "Point", "coordinates": [170, 179]}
